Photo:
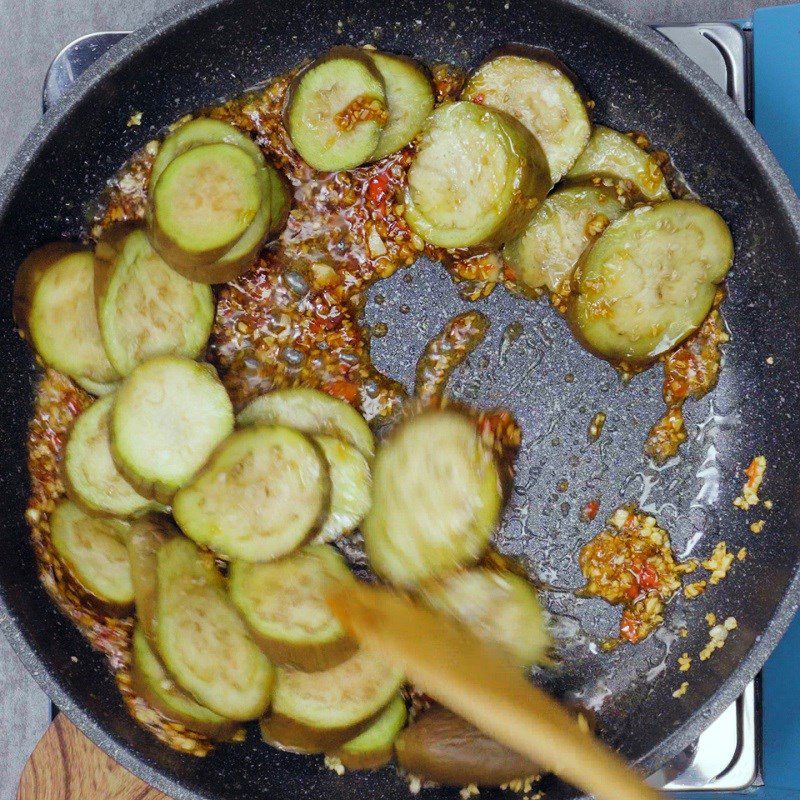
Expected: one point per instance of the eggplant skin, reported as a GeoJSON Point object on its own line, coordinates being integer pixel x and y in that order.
{"type": "Point", "coordinates": [295, 737]}
{"type": "Point", "coordinates": [442, 747]}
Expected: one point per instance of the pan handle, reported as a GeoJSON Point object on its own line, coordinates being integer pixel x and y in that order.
{"type": "Point", "coordinates": [73, 61]}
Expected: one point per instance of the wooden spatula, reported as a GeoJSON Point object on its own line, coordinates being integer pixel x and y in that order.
{"type": "Point", "coordinates": [469, 677]}
{"type": "Point", "coordinates": [65, 765]}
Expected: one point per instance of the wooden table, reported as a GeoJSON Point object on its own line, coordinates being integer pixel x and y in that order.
{"type": "Point", "coordinates": [31, 33]}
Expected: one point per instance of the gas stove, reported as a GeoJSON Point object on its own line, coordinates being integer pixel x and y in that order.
{"type": "Point", "coordinates": [748, 60]}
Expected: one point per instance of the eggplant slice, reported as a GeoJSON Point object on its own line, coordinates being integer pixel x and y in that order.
{"type": "Point", "coordinates": [650, 280]}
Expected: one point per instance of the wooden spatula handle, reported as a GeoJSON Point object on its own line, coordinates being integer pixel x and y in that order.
{"type": "Point", "coordinates": [456, 668]}
{"type": "Point", "coordinates": [65, 765]}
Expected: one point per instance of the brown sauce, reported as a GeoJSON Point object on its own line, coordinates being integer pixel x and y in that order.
{"type": "Point", "coordinates": [296, 319]}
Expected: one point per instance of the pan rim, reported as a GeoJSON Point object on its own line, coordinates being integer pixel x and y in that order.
{"type": "Point", "coordinates": [679, 67]}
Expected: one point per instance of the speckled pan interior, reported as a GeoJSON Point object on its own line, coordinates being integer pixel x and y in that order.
{"type": "Point", "coordinates": [210, 50]}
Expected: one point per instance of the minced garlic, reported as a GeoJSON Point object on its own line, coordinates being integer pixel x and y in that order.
{"type": "Point", "coordinates": [755, 475]}
{"type": "Point", "coordinates": [334, 764]}
{"type": "Point", "coordinates": [692, 590]}
{"type": "Point", "coordinates": [718, 563]}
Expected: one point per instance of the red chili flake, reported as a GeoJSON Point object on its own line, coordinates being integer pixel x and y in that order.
{"type": "Point", "coordinates": [376, 188]}
{"type": "Point", "coordinates": [633, 591]}
{"type": "Point", "coordinates": [73, 406]}
{"type": "Point", "coordinates": [628, 627]}
{"type": "Point", "coordinates": [647, 577]}
{"type": "Point", "coordinates": [590, 509]}
{"type": "Point", "coordinates": [751, 471]}
{"type": "Point", "coordinates": [344, 390]}
{"type": "Point", "coordinates": [478, 98]}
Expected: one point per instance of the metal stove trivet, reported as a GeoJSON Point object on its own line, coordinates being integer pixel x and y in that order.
{"type": "Point", "coordinates": [727, 757]}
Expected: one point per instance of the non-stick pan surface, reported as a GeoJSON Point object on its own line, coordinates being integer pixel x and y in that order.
{"type": "Point", "coordinates": [203, 52]}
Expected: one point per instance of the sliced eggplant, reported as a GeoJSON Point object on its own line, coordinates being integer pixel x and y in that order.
{"type": "Point", "coordinates": [436, 499]}
{"type": "Point", "coordinates": [91, 476]}
{"type": "Point", "coordinates": [263, 494]}
{"type": "Point", "coordinates": [144, 307]}
{"type": "Point", "coordinates": [280, 198]}
{"type": "Point", "coordinates": [336, 110]}
{"type": "Point", "coordinates": [539, 92]}
{"type": "Point", "coordinates": [150, 681]}
{"type": "Point", "coordinates": [374, 747]}
{"type": "Point", "coordinates": [312, 412]}
{"type": "Point", "coordinates": [95, 553]}
{"type": "Point", "coordinates": [319, 711]}
{"type": "Point", "coordinates": [204, 201]}
{"type": "Point", "coordinates": [476, 177]}
{"type": "Point", "coordinates": [611, 153]}
{"type": "Point", "coordinates": [202, 641]}
{"type": "Point", "coordinates": [269, 218]}
{"type": "Point", "coordinates": [95, 388]}
{"type": "Point", "coordinates": [55, 310]}
{"type": "Point", "coordinates": [409, 96]}
{"type": "Point", "coordinates": [241, 257]}
{"type": "Point", "coordinates": [197, 132]}
{"type": "Point", "coordinates": [650, 280]}
{"type": "Point", "coordinates": [442, 747]}
{"type": "Point", "coordinates": [283, 604]}
{"type": "Point", "coordinates": [167, 418]}
{"type": "Point", "coordinates": [146, 536]}
{"type": "Point", "coordinates": [499, 607]}
{"type": "Point", "coordinates": [565, 224]}
{"type": "Point", "coordinates": [351, 485]}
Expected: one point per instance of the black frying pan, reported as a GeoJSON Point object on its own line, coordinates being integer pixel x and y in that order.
{"type": "Point", "coordinates": [203, 52]}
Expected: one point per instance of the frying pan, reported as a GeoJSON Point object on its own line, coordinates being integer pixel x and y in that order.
{"type": "Point", "coordinates": [200, 53]}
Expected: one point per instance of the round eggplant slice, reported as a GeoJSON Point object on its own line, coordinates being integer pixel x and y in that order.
{"type": "Point", "coordinates": [283, 604]}
{"type": "Point", "coordinates": [262, 495]}
{"type": "Point", "coordinates": [55, 310]}
{"type": "Point", "coordinates": [442, 747]}
{"type": "Point", "coordinates": [146, 536]}
{"type": "Point", "coordinates": [613, 154]}
{"type": "Point", "coordinates": [499, 607]}
{"type": "Point", "coordinates": [241, 257]}
{"type": "Point", "coordinates": [436, 499]}
{"type": "Point", "coordinates": [204, 201]}
{"type": "Point", "coordinates": [351, 485]}
{"type": "Point", "coordinates": [476, 177]}
{"type": "Point", "coordinates": [374, 747]}
{"type": "Point", "coordinates": [409, 96]}
{"type": "Point", "coordinates": [649, 281]}
{"type": "Point", "coordinates": [336, 110]}
{"type": "Point", "coordinates": [563, 226]}
{"type": "Point", "coordinates": [319, 711]}
{"type": "Point", "coordinates": [91, 476]}
{"type": "Point", "coordinates": [167, 418]}
{"type": "Point", "coordinates": [541, 95]}
{"type": "Point", "coordinates": [197, 132]}
{"type": "Point", "coordinates": [312, 412]}
{"type": "Point", "coordinates": [97, 389]}
{"type": "Point", "coordinates": [95, 553]}
{"type": "Point", "coordinates": [151, 682]}
{"type": "Point", "coordinates": [201, 639]}
{"type": "Point", "coordinates": [144, 307]}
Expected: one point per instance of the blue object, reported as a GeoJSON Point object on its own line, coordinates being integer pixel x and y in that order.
{"type": "Point", "coordinates": [776, 83]}
{"type": "Point", "coordinates": [776, 96]}
{"type": "Point", "coordinates": [776, 92]}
